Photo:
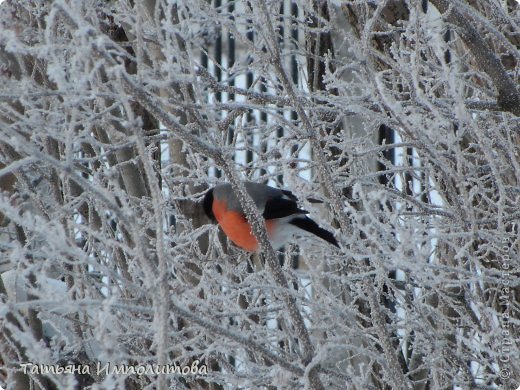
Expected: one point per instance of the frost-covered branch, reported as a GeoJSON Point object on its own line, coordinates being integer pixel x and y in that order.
{"type": "Point", "coordinates": [508, 93]}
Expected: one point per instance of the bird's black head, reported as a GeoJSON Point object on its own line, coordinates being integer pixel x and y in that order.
{"type": "Point", "coordinates": [207, 204]}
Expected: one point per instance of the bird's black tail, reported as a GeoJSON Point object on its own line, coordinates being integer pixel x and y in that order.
{"type": "Point", "coordinates": [310, 226]}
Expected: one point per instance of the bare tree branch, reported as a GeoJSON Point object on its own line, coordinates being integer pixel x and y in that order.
{"type": "Point", "coordinates": [508, 95]}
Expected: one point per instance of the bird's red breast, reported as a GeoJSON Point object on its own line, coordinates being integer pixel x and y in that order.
{"type": "Point", "coordinates": [236, 227]}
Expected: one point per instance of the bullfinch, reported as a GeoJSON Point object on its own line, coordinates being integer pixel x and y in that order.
{"type": "Point", "coordinates": [279, 209]}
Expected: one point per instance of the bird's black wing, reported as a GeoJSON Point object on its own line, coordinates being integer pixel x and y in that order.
{"type": "Point", "coordinates": [290, 195]}
{"type": "Point", "coordinates": [280, 207]}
